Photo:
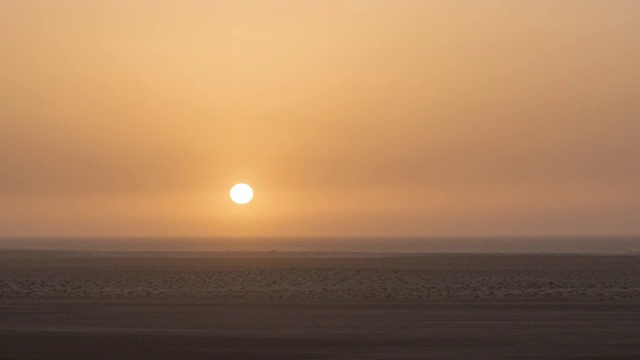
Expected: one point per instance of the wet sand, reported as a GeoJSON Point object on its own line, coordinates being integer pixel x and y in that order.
{"type": "Point", "coordinates": [320, 331]}
{"type": "Point", "coordinates": [435, 306]}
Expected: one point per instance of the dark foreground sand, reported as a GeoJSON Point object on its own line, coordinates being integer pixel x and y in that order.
{"type": "Point", "coordinates": [61, 306]}
{"type": "Point", "coordinates": [320, 331]}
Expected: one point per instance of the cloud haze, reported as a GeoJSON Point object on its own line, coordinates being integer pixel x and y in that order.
{"type": "Point", "coordinates": [347, 117]}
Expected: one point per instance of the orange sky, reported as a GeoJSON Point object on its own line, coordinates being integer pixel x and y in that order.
{"type": "Point", "coordinates": [347, 117]}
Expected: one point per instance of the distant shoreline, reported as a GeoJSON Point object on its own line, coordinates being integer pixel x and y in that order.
{"type": "Point", "coordinates": [34, 253]}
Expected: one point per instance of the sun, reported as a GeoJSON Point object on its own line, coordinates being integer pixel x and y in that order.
{"type": "Point", "coordinates": [241, 193]}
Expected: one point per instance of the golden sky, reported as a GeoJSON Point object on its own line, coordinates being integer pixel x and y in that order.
{"type": "Point", "coordinates": [347, 117]}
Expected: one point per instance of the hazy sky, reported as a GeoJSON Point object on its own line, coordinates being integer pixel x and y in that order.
{"type": "Point", "coordinates": [347, 117]}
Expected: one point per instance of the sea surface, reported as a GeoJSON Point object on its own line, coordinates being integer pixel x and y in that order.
{"type": "Point", "coordinates": [612, 245]}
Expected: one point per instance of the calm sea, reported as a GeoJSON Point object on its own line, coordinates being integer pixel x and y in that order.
{"type": "Point", "coordinates": [573, 245]}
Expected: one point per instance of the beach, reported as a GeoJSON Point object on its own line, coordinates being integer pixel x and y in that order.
{"type": "Point", "coordinates": [73, 305]}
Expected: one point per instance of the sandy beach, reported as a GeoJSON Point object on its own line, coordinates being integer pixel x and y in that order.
{"type": "Point", "coordinates": [62, 305]}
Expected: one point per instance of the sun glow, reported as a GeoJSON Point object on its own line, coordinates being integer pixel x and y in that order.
{"type": "Point", "coordinates": [241, 194]}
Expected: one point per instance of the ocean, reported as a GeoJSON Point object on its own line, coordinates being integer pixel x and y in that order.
{"type": "Point", "coordinates": [619, 245]}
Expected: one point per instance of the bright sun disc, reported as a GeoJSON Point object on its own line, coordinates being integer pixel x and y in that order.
{"type": "Point", "coordinates": [241, 193]}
